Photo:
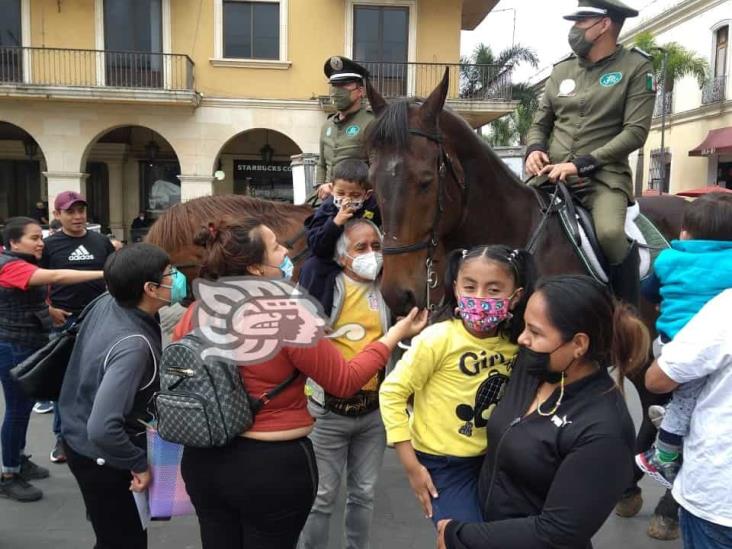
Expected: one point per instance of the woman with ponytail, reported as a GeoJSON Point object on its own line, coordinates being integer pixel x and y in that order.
{"type": "Point", "coordinates": [561, 440]}
{"type": "Point", "coordinates": [456, 369]}
{"type": "Point", "coordinates": [257, 491]}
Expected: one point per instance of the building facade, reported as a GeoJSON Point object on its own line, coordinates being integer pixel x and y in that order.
{"type": "Point", "coordinates": [141, 104]}
{"type": "Point", "coordinates": [697, 131]}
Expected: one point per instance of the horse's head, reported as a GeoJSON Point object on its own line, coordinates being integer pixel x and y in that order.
{"type": "Point", "coordinates": [420, 185]}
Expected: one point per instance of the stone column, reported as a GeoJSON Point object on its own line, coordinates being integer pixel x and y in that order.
{"type": "Point", "coordinates": [117, 222]}
{"type": "Point", "coordinates": [59, 182]}
{"type": "Point", "coordinates": [303, 176]}
{"type": "Point", "coordinates": [195, 186]}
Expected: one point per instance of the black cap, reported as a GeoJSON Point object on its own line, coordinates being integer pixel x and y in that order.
{"type": "Point", "coordinates": [340, 70]}
{"type": "Point", "coordinates": [614, 9]}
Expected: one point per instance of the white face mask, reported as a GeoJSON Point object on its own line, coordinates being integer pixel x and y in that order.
{"type": "Point", "coordinates": [355, 204]}
{"type": "Point", "coordinates": [368, 265]}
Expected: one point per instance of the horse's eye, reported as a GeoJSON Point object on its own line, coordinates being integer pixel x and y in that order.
{"type": "Point", "coordinates": [424, 184]}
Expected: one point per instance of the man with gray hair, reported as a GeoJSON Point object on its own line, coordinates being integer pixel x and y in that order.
{"type": "Point", "coordinates": [349, 433]}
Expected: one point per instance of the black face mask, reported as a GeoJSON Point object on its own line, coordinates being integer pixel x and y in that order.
{"type": "Point", "coordinates": [537, 364]}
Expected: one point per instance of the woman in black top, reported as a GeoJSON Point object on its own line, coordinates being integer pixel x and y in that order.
{"type": "Point", "coordinates": [564, 438]}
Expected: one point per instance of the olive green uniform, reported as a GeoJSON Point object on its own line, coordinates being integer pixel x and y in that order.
{"type": "Point", "coordinates": [342, 139]}
{"type": "Point", "coordinates": [595, 115]}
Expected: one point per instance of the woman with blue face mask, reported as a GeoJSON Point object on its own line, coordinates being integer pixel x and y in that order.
{"type": "Point", "coordinates": [257, 491]}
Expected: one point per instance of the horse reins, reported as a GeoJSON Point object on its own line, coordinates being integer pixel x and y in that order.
{"type": "Point", "coordinates": [444, 164]}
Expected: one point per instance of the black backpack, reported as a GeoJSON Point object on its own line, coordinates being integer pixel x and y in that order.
{"type": "Point", "coordinates": [203, 403]}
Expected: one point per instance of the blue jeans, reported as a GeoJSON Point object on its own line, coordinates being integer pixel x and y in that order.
{"type": "Point", "coordinates": [702, 534]}
{"type": "Point", "coordinates": [456, 481]}
{"type": "Point", "coordinates": [17, 406]}
{"type": "Point", "coordinates": [353, 444]}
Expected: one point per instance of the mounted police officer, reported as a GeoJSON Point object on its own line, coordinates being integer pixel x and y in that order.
{"type": "Point", "coordinates": [596, 110]}
{"type": "Point", "coordinates": [343, 134]}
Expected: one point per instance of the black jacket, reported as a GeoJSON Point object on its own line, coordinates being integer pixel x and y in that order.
{"type": "Point", "coordinates": [323, 233]}
{"type": "Point", "coordinates": [551, 482]}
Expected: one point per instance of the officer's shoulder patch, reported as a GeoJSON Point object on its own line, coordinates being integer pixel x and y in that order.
{"type": "Point", "coordinates": [642, 52]}
{"type": "Point", "coordinates": [368, 214]}
{"type": "Point", "coordinates": [565, 58]}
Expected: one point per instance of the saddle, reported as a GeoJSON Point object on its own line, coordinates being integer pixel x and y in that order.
{"type": "Point", "coordinates": [577, 223]}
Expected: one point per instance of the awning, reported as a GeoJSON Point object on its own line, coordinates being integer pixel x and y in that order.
{"type": "Point", "coordinates": [716, 142]}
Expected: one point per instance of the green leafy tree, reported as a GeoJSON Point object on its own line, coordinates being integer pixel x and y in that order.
{"type": "Point", "coordinates": [482, 71]}
{"type": "Point", "coordinates": [681, 61]}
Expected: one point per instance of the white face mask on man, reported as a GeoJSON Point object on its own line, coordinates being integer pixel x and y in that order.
{"type": "Point", "coordinates": [367, 266]}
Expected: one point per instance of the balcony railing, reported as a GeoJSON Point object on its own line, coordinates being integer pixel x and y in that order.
{"type": "Point", "coordinates": [662, 104]}
{"type": "Point", "coordinates": [467, 81]}
{"type": "Point", "coordinates": [95, 68]}
{"type": "Point", "coordinates": [714, 90]}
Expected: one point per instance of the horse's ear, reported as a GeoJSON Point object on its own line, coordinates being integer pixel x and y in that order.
{"type": "Point", "coordinates": [432, 107]}
{"type": "Point", "coordinates": [376, 100]}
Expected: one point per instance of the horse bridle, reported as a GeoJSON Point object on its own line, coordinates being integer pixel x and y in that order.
{"type": "Point", "coordinates": [444, 164]}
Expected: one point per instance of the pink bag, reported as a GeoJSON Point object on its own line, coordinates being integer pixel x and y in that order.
{"type": "Point", "coordinates": [167, 492]}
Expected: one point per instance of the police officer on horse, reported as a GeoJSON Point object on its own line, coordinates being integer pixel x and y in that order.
{"type": "Point", "coordinates": [596, 110]}
{"type": "Point", "coordinates": [342, 135]}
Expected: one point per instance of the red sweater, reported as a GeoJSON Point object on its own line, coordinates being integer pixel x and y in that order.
{"type": "Point", "coordinates": [322, 362]}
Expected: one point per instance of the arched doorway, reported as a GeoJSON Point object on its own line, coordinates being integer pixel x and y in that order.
{"type": "Point", "coordinates": [131, 169]}
{"type": "Point", "coordinates": [256, 162]}
{"type": "Point", "coordinates": [22, 186]}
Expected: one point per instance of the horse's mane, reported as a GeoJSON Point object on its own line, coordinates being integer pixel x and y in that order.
{"type": "Point", "coordinates": [175, 228]}
{"type": "Point", "coordinates": [390, 128]}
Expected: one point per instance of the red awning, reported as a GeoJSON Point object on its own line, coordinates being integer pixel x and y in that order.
{"type": "Point", "coordinates": [716, 142]}
{"type": "Point", "coordinates": [704, 190]}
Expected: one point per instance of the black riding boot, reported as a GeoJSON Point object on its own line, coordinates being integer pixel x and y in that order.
{"type": "Point", "coordinates": [625, 279]}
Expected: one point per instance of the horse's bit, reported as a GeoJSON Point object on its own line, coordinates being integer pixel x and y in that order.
{"type": "Point", "coordinates": [444, 163]}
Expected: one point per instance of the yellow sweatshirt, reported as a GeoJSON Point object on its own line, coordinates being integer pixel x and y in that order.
{"type": "Point", "coordinates": [456, 379]}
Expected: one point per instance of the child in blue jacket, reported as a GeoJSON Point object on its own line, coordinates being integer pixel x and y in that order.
{"type": "Point", "coordinates": [686, 276]}
{"type": "Point", "coordinates": [352, 198]}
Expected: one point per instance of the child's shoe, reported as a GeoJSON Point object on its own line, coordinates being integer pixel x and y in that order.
{"type": "Point", "coordinates": [663, 472]}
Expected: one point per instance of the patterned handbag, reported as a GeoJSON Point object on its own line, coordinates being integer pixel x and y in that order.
{"type": "Point", "coordinates": [203, 403]}
{"type": "Point", "coordinates": [167, 494]}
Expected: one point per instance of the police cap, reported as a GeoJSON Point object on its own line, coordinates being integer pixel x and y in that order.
{"type": "Point", "coordinates": [340, 70]}
{"type": "Point", "coordinates": [614, 9]}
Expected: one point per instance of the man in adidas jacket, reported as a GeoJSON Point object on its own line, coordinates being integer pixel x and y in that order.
{"type": "Point", "coordinates": [73, 247]}
{"type": "Point", "coordinates": [107, 392]}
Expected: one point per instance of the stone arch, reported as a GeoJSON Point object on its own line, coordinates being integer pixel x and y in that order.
{"type": "Point", "coordinates": [22, 163]}
{"type": "Point", "coordinates": [256, 161]}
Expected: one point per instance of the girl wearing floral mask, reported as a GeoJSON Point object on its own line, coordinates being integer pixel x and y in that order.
{"type": "Point", "coordinates": [456, 370]}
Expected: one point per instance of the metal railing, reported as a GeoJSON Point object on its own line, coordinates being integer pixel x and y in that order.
{"type": "Point", "coordinates": [714, 90]}
{"type": "Point", "coordinates": [666, 104]}
{"type": "Point", "coordinates": [95, 68]}
{"type": "Point", "coordinates": [467, 81]}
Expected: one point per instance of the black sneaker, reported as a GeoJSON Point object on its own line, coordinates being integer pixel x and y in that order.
{"type": "Point", "coordinates": [31, 471]}
{"type": "Point", "coordinates": [19, 489]}
{"type": "Point", "coordinates": [58, 454]}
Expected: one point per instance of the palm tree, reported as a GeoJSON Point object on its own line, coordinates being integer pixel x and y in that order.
{"type": "Point", "coordinates": [477, 79]}
{"type": "Point", "coordinates": [680, 62]}
{"type": "Point", "coordinates": [501, 132]}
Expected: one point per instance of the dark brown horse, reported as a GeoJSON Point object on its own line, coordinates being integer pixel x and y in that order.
{"type": "Point", "coordinates": [440, 187]}
{"type": "Point", "coordinates": [175, 229]}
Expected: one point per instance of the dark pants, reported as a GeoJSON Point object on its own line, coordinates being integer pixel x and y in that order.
{"type": "Point", "coordinates": [109, 503]}
{"type": "Point", "coordinates": [456, 481]}
{"type": "Point", "coordinates": [56, 417]}
{"type": "Point", "coordinates": [17, 406]}
{"type": "Point", "coordinates": [251, 494]}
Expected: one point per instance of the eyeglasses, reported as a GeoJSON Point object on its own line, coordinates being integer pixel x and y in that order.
{"type": "Point", "coordinates": [171, 272]}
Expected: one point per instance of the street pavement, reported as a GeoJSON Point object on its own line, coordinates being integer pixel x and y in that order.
{"type": "Point", "coordinates": [58, 520]}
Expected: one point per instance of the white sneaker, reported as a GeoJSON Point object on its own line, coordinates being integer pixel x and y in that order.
{"type": "Point", "coordinates": [43, 407]}
{"type": "Point", "coordinates": [655, 414]}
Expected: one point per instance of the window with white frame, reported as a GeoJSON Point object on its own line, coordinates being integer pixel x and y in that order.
{"type": "Point", "coordinates": [251, 30]}
{"type": "Point", "coordinates": [721, 51]}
